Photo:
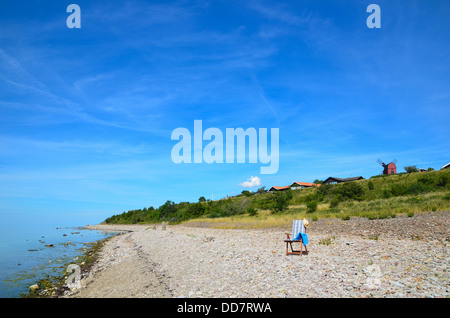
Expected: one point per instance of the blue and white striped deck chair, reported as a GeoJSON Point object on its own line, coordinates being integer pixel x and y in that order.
{"type": "Point", "coordinates": [298, 236]}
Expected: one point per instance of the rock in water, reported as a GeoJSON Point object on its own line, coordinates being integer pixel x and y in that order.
{"type": "Point", "coordinates": [33, 288]}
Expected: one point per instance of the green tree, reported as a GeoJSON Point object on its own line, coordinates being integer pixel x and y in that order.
{"type": "Point", "coordinates": [195, 210]}
{"type": "Point", "coordinates": [311, 206]}
{"type": "Point", "coordinates": [350, 190]}
{"type": "Point", "coordinates": [410, 169]}
{"type": "Point", "coordinates": [167, 209]}
{"type": "Point", "coordinates": [281, 200]}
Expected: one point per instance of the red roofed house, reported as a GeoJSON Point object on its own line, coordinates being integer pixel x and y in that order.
{"type": "Point", "coordinates": [278, 188]}
{"type": "Point", "coordinates": [300, 185]}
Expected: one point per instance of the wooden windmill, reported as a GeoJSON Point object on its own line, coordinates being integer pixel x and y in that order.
{"type": "Point", "coordinates": [389, 168]}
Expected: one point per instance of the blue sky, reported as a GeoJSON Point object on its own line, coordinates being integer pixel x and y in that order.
{"type": "Point", "coordinates": [86, 115]}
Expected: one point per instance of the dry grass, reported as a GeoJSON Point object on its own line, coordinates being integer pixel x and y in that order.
{"type": "Point", "coordinates": [373, 209]}
{"type": "Point", "coordinates": [264, 219]}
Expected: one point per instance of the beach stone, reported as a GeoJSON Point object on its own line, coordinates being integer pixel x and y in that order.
{"type": "Point", "coordinates": [33, 288]}
{"type": "Point", "coordinates": [397, 284]}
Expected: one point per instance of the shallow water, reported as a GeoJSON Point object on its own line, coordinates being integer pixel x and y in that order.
{"type": "Point", "coordinates": [30, 253]}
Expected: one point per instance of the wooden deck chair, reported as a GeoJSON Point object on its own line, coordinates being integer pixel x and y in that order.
{"type": "Point", "coordinates": [298, 226]}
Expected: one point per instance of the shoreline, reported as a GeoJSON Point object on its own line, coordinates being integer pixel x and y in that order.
{"type": "Point", "coordinates": [402, 257]}
{"type": "Point", "coordinates": [83, 251]}
{"type": "Point", "coordinates": [119, 260]}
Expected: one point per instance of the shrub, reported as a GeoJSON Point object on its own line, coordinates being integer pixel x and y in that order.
{"type": "Point", "coordinates": [281, 201]}
{"type": "Point", "coordinates": [311, 206]}
{"type": "Point", "coordinates": [398, 189]}
{"type": "Point", "coordinates": [410, 169]}
{"type": "Point", "coordinates": [311, 197]}
{"type": "Point", "coordinates": [263, 202]}
{"type": "Point", "coordinates": [215, 213]}
{"type": "Point", "coordinates": [335, 201]}
{"type": "Point", "coordinates": [235, 207]}
{"type": "Point", "coordinates": [382, 216]}
{"type": "Point", "coordinates": [370, 185]}
{"type": "Point", "coordinates": [443, 180]}
{"type": "Point", "coordinates": [325, 189]}
{"type": "Point", "coordinates": [252, 211]}
{"type": "Point", "coordinates": [262, 190]}
{"type": "Point", "coordinates": [417, 188]}
{"type": "Point", "coordinates": [427, 180]}
{"type": "Point", "coordinates": [327, 241]}
{"type": "Point", "coordinates": [350, 190]}
{"type": "Point", "coordinates": [195, 209]}
{"type": "Point", "coordinates": [386, 194]}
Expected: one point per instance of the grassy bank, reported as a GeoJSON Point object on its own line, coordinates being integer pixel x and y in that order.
{"type": "Point", "coordinates": [376, 209]}
{"type": "Point", "coordinates": [377, 197]}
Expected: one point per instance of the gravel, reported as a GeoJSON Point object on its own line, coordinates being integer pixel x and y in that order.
{"type": "Point", "coordinates": [399, 257]}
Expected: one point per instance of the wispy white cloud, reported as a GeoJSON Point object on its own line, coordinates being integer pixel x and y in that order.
{"type": "Point", "coordinates": [12, 71]}
{"type": "Point", "coordinates": [21, 146]}
{"type": "Point", "coordinates": [279, 12]}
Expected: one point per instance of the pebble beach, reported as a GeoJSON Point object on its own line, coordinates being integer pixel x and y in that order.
{"type": "Point", "coordinates": [357, 258]}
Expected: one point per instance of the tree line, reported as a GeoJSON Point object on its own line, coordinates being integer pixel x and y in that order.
{"type": "Point", "coordinates": [377, 187]}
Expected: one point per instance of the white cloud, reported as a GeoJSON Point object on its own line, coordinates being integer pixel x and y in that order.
{"type": "Point", "coordinates": [250, 183]}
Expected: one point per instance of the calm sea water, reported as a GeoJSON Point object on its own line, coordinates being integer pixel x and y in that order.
{"type": "Point", "coordinates": [24, 258]}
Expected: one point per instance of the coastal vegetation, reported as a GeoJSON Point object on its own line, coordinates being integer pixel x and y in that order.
{"type": "Point", "coordinates": [382, 196]}
{"type": "Point", "coordinates": [54, 285]}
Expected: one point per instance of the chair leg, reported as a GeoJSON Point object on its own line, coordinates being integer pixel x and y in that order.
{"type": "Point", "coordinates": [296, 251]}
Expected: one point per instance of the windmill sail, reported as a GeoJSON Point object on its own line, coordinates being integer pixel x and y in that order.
{"type": "Point", "coordinates": [381, 162]}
